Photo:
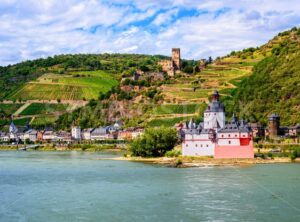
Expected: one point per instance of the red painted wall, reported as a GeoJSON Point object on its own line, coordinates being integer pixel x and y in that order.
{"type": "Point", "coordinates": [228, 152]}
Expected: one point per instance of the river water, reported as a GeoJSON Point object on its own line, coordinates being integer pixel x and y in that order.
{"type": "Point", "coordinates": [75, 186]}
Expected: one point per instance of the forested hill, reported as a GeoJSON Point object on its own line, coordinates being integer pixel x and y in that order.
{"type": "Point", "coordinates": [274, 85]}
{"type": "Point", "coordinates": [12, 77]}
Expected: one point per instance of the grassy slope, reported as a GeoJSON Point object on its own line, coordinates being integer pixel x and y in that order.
{"type": "Point", "coordinates": [74, 86]}
{"type": "Point", "coordinates": [9, 109]}
{"type": "Point", "coordinates": [43, 108]}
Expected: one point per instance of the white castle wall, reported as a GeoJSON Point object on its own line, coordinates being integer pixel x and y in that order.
{"type": "Point", "coordinates": [198, 145]}
{"type": "Point", "coordinates": [231, 139]}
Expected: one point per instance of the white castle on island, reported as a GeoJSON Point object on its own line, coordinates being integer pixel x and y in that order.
{"type": "Point", "coordinates": [215, 138]}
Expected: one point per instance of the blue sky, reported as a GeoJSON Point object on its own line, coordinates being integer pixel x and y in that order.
{"type": "Point", "coordinates": [39, 28]}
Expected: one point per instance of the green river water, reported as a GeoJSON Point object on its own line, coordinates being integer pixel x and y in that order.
{"type": "Point", "coordinates": [75, 186]}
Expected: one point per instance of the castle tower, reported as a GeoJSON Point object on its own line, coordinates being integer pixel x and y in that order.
{"type": "Point", "coordinates": [274, 125]}
{"type": "Point", "coordinates": [176, 58]}
{"type": "Point", "coordinates": [202, 64]}
{"type": "Point", "coordinates": [214, 115]}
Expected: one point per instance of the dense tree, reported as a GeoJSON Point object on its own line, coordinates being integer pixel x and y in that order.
{"type": "Point", "coordinates": [154, 143]}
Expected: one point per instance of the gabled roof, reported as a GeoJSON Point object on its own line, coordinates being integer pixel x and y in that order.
{"type": "Point", "coordinates": [100, 131]}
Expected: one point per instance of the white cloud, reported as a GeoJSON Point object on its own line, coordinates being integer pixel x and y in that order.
{"type": "Point", "coordinates": [39, 28]}
{"type": "Point", "coordinates": [165, 18]}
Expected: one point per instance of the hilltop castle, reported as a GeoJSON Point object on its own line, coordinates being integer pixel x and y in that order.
{"type": "Point", "coordinates": [173, 65]}
{"type": "Point", "coordinates": [216, 138]}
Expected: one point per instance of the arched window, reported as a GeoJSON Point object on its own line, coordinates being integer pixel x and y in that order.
{"type": "Point", "coordinates": [228, 135]}
{"type": "Point", "coordinates": [229, 142]}
{"type": "Point", "coordinates": [206, 145]}
{"type": "Point", "coordinates": [222, 136]}
{"type": "Point", "coordinates": [235, 135]}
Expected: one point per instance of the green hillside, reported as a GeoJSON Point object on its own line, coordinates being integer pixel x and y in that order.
{"type": "Point", "coordinates": [274, 85]}
{"type": "Point", "coordinates": [23, 77]}
{"type": "Point", "coordinates": [8, 109]}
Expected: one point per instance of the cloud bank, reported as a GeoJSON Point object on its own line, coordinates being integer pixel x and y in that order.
{"type": "Point", "coordinates": [39, 28]}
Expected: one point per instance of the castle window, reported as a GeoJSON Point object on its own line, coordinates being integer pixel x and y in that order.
{"type": "Point", "coordinates": [201, 145]}
{"type": "Point", "coordinates": [228, 135]}
{"type": "Point", "coordinates": [206, 145]}
{"type": "Point", "coordinates": [196, 145]}
{"type": "Point", "coordinates": [222, 136]}
{"type": "Point", "coordinates": [229, 142]}
{"type": "Point", "coordinates": [235, 135]}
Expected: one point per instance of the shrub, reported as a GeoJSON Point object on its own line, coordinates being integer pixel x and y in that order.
{"type": "Point", "coordinates": [173, 153]}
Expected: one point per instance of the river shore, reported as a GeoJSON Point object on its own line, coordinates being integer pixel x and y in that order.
{"type": "Point", "coordinates": [182, 162]}
{"type": "Point", "coordinates": [179, 162]}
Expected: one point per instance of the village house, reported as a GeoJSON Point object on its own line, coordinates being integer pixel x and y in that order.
{"type": "Point", "coordinates": [63, 136]}
{"type": "Point", "coordinates": [76, 132]}
{"type": "Point", "coordinates": [4, 137]}
{"type": "Point", "coordinates": [31, 135]}
{"type": "Point", "coordinates": [257, 130]}
{"type": "Point", "coordinates": [101, 133]}
{"type": "Point", "coordinates": [215, 138]}
{"type": "Point", "coordinates": [294, 131]}
{"type": "Point", "coordinates": [49, 135]}
{"type": "Point", "coordinates": [86, 134]}
{"type": "Point", "coordinates": [130, 133]}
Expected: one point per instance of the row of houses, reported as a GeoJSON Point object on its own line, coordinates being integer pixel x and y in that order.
{"type": "Point", "coordinates": [113, 132]}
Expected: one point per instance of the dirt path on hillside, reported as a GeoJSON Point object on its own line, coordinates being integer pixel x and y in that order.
{"type": "Point", "coordinates": [171, 116]}
{"type": "Point", "coordinates": [71, 102]}
{"type": "Point", "coordinates": [21, 109]}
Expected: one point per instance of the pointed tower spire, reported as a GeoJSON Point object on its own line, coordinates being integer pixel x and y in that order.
{"type": "Point", "coordinates": [216, 96]}
{"type": "Point", "coordinates": [234, 118]}
{"type": "Point", "coordinates": [191, 124]}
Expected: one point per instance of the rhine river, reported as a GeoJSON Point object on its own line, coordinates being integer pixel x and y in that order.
{"type": "Point", "coordinates": [74, 186]}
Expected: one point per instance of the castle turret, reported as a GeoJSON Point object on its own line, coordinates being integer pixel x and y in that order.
{"type": "Point", "coordinates": [274, 125]}
{"type": "Point", "coordinates": [214, 115]}
{"type": "Point", "coordinates": [176, 59]}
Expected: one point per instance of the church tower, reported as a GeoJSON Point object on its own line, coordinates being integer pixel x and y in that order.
{"type": "Point", "coordinates": [214, 115]}
{"type": "Point", "coordinates": [176, 58]}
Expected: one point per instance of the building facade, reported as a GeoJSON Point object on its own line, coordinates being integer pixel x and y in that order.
{"type": "Point", "coordinates": [216, 138]}
{"type": "Point", "coordinates": [76, 132]}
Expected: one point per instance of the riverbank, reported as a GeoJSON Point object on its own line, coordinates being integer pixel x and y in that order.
{"type": "Point", "coordinates": [178, 162]}
{"type": "Point", "coordinates": [183, 162]}
{"type": "Point", "coordinates": [81, 148]}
